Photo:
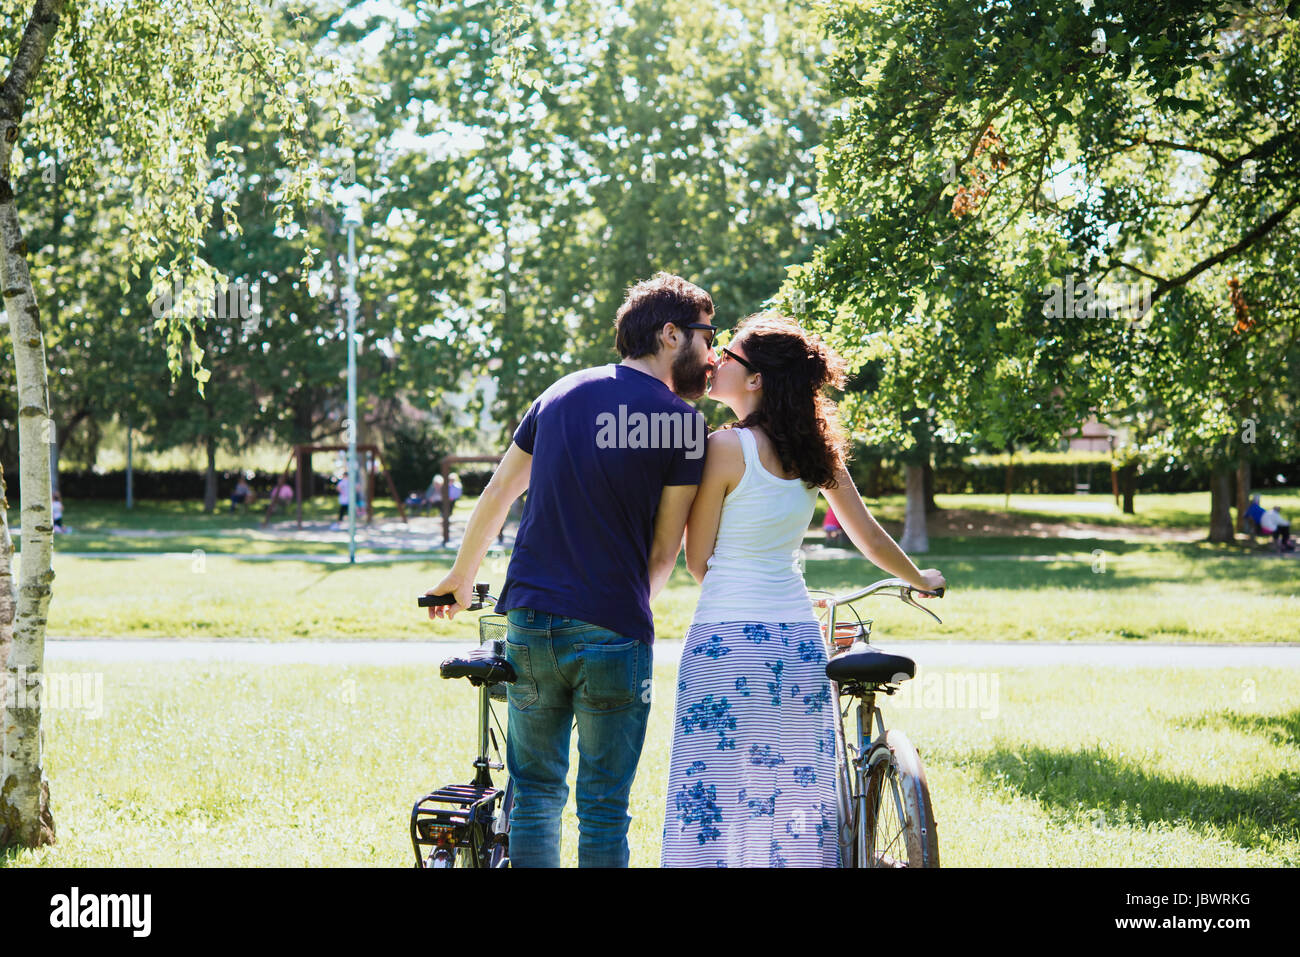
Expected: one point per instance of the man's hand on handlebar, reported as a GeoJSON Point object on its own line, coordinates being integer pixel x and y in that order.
{"type": "Point", "coordinates": [934, 581]}
{"type": "Point", "coordinates": [462, 586]}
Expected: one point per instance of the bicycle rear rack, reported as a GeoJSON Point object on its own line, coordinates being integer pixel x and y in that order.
{"type": "Point", "coordinates": [442, 818]}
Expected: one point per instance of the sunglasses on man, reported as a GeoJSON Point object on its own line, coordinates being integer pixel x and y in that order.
{"type": "Point", "coordinates": [711, 331]}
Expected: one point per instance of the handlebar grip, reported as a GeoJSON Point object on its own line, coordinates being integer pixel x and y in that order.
{"type": "Point", "coordinates": [937, 593]}
{"type": "Point", "coordinates": [428, 601]}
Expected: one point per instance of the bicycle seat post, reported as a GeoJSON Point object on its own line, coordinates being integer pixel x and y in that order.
{"type": "Point", "coordinates": [483, 777]}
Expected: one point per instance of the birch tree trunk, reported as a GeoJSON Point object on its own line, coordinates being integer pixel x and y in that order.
{"type": "Point", "coordinates": [8, 588]}
{"type": "Point", "coordinates": [915, 538]}
{"type": "Point", "coordinates": [25, 818]}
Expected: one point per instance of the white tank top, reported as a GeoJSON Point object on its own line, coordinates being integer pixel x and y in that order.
{"type": "Point", "coordinates": [753, 574]}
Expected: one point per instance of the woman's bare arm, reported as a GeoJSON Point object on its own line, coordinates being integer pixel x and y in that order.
{"type": "Point", "coordinates": [872, 540]}
{"type": "Point", "coordinates": [724, 466]}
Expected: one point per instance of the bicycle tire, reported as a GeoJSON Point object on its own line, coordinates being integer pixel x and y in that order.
{"type": "Point", "coordinates": [500, 855]}
{"type": "Point", "coordinates": [894, 777]}
{"type": "Point", "coordinates": [442, 857]}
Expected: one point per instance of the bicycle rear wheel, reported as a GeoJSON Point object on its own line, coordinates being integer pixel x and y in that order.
{"type": "Point", "coordinates": [443, 857]}
{"type": "Point", "coordinates": [500, 853]}
{"type": "Point", "coordinates": [897, 820]}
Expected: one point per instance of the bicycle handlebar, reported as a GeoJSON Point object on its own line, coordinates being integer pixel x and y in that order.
{"type": "Point", "coordinates": [904, 594]}
{"type": "Point", "coordinates": [481, 598]}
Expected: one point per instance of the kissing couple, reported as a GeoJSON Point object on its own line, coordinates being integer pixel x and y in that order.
{"type": "Point", "coordinates": [616, 474]}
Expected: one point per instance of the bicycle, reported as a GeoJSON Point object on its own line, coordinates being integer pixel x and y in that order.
{"type": "Point", "coordinates": [469, 824]}
{"type": "Point", "coordinates": [885, 815]}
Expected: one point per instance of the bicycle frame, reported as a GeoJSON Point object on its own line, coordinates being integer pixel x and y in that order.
{"type": "Point", "coordinates": [469, 819]}
{"type": "Point", "coordinates": [853, 768]}
{"type": "Point", "coordinates": [465, 811]}
{"type": "Point", "coordinates": [850, 759]}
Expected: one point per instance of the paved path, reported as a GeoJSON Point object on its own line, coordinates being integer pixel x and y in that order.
{"type": "Point", "coordinates": [927, 654]}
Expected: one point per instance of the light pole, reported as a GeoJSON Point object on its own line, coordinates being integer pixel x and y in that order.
{"type": "Point", "coordinates": [351, 220]}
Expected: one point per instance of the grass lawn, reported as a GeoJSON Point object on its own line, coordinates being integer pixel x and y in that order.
{"type": "Point", "coordinates": [1138, 593]}
{"type": "Point", "coordinates": [292, 765]}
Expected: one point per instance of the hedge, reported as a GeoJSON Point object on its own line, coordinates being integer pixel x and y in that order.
{"type": "Point", "coordinates": [987, 478]}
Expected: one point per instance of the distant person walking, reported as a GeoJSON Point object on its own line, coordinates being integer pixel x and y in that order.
{"type": "Point", "coordinates": [344, 488]}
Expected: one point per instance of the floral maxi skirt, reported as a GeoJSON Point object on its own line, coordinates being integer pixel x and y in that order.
{"type": "Point", "coordinates": [751, 780]}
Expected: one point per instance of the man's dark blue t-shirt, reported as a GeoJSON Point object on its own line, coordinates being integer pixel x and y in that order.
{"type": "Point", "coordinates": [604, 443]}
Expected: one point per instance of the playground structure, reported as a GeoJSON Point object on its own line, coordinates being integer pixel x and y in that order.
{"type": "Point", "coordinates": [372, 459]}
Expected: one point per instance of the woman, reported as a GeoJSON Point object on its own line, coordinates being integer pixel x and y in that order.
{"type": "Point", "coordinates": [752, 774]}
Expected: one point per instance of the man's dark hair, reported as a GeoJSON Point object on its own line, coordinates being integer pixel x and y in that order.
{"type": "Point", "coordinates": [649, 305]}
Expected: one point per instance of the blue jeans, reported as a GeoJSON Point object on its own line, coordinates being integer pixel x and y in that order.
{"type": "Point", "coordinates": [568, 668]}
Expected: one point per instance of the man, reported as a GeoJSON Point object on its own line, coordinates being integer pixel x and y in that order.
{"type": "Point", "coordinates": [611, 458]}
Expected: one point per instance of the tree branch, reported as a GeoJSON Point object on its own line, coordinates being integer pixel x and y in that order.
{"type": "Point", "coordinates": [41, 26]}
{"type": "Point", "coordinates": [1252, 237]}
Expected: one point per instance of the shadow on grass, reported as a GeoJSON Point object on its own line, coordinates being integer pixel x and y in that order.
{"type": "Point", "coordinates": [1178, 566]}
{"type": "Point", "coordinates": [1009, 575]}
{"type": "Point", "coordinates": [1094, 784]}
{"type": "Point", "coordinates": [1282, 729]}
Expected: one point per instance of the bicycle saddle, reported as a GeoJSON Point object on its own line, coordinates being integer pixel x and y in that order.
{"type": "Point", "coordinates": [480, 665]}
{"type": "Point", "coordinates": [861, 662]}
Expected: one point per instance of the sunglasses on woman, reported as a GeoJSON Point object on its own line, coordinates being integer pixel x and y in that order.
{"type": "Point", "coordinates": [743, 362]}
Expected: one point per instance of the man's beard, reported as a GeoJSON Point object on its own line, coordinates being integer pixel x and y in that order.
{"type": "Point", "coordinates": [690, 375]}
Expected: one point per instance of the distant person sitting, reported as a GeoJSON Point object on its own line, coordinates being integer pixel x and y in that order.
{"type": "Point", "coordinates": [433, 497]}
{"type": "Point", "coordinates": [1271, 522]}
{"type": "Point", "coordinates": [56, 510]}
{"type": "Point", "coordinates": [454, 488]}
{"type": "Point", "coordinates": [831, 526]}
{"type": "Point", "coordinates": [242, 495]}
{"type": "Point", "coordinates": [283, 492]}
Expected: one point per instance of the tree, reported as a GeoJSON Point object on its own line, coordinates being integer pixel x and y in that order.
{"type": "Point", "coordinates": [574, 149]}
{"type": "Point", "coordinates": [129, 93]}
{"type": "Point", "coordinates": [1044, 203]}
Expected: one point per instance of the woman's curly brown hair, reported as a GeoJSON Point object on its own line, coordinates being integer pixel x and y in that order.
{"type": "Point", "coordinates": [803, 424]}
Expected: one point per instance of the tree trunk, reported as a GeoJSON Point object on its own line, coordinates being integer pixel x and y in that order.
{"type": "Point", "coordinates": [1010, 475]}
{"type": "Point", "coordinates": [59, 435]}
{"type": "Point", "coordinates": [25, 818]}
{"type": "Point", "coordinates": [304, 434]}
{"type": "Point", "coordinates": [1243, 492]}
{"type": "Point", "coordinates": [872, 487]}
{"type": "Point", "coordinates": [53, 438]}
{"type": "Point", "coordinates": [210, 477]}
{"type": "Point", "coordinates": [1128, 485]}
{"type": "Point", "coordinates": [927, 471]}
{"type": "Point", "coordinates": [915, 537]}
{"type": "Point", "coordinates": [1220, 505]}
{"type": "Point", "coordinates": [8, 586]}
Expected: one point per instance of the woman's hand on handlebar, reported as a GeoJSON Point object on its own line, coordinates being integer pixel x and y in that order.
{"type": "Point", "coordinates": [454, 584]}
{"type": "Point", "coordinates": [933, 581]}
